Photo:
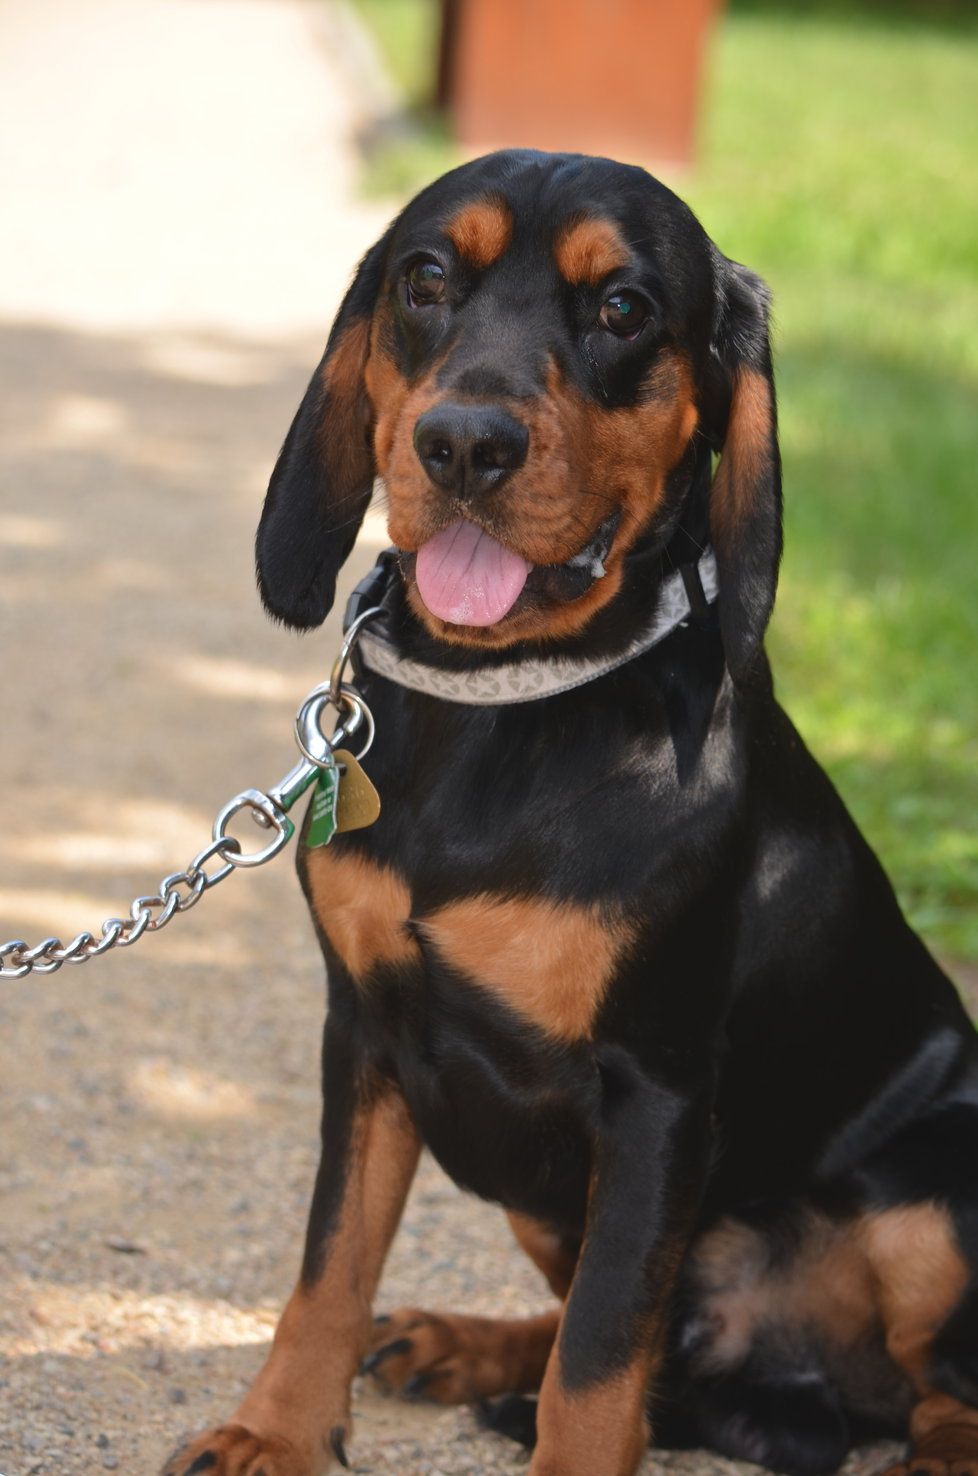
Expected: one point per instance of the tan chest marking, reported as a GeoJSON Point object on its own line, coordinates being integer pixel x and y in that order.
{"type": "Point", "coordinates": [550, 962]}
{"type": "Point", "coordinates": [363, 909]}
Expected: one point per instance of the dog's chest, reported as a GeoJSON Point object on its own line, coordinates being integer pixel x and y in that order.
{"type": "Point", "coordinates": [503, 885]}
{"type": "Point", "coordinates": [549, 962]}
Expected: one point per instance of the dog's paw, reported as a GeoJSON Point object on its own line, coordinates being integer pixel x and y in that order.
{"type": "Point", "coordinates": [931, 1466]}
{"type": "Point", "coordinates": [231, 1450]}
{"type": "Point", "coordinates": [437, 1356]}
{"type": "Point", "coordinates": [949, 1450]}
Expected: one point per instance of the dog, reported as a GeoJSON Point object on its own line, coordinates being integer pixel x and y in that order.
{"type": "Point", "coordinates": [614, 950]}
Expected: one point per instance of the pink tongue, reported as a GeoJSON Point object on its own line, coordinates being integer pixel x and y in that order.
{"type": "Point", "coordinates": [466, 577]}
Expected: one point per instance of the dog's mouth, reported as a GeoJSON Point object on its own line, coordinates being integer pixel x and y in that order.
{"type": "Point", "coordinates": [467, 577]}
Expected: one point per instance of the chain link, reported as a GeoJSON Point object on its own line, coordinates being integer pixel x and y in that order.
{"type": "Point", "coordinates": [182, 890]}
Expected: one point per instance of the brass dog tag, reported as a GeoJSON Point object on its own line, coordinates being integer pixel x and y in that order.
{"type": "Point", "coordinates": [358, 804]}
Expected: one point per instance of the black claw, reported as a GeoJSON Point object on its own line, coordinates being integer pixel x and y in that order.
{"type": "Point", "coordinates": [204, 1462]}
{"type": "Point", "coordinates": [416, 1385]}
{"type": "Point", "coordinates": [336, 1442]}
{"type": "Point", "coordinates": [399, 1345]}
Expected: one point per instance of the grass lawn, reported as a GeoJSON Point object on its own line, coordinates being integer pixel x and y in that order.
{"type": "Point", "coordinates": [839, 158]}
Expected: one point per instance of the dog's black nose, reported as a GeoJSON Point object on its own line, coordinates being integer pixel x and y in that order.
{"type": "Point", "coordinates": [469, 450]}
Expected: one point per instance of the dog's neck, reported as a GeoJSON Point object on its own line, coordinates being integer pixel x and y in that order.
{"type": "Point", "coordinates": [686, 594]}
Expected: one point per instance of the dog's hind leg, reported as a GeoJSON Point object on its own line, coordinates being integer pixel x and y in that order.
{"type": "Point", "coordinates": [931, 1318]}
{"type": "Point", "coordinates": [454, 1359]}
{"type": "Point", "coordinates": [924, 1256]}
{"type": "Point", "coordinates": [943, 1439]}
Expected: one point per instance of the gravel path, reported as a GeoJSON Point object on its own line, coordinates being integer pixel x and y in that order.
{"type": "Point", "coordinates": [178, 226]}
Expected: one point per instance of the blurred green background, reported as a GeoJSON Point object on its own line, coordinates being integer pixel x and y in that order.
{"type": "Point", "coordinates": [839, 158]}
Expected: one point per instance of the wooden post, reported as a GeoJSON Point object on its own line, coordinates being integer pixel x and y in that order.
{"type": "Point", "coordinates": [617, 77]}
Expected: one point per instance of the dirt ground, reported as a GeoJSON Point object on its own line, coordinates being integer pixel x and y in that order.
{"type": "Point", "coordinates": [178, 182]}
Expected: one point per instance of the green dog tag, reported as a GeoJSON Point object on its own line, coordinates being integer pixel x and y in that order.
{"type": "Point", "coordinates": [322, 811]}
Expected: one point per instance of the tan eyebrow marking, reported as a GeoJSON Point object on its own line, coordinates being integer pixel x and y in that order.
{"type": "Point", "coordinates": [481, 231]}
{"type": "Point", "coordinates": [587, 249]}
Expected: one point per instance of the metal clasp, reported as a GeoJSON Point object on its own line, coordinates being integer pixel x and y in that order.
{"type": "Point", "coordinates": [262, 805]}
{"type": "Point", "coordinates": [315, 747]}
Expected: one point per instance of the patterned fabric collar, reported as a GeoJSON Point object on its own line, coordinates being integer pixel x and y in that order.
{"type": "Point", "coordinates": [524, 681]}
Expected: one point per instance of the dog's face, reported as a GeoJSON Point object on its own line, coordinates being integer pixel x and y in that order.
{"type": "Point", "coordinates": [531, 381]}
{"type": "Point", "coordinates": [526, 358]}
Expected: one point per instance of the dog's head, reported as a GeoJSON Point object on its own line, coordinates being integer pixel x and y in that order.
{"type": "Point", "coordinates": [535, 358]}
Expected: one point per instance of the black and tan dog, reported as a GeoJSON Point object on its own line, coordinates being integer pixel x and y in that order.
{"type": "Point", "coordinates": [617, 955]}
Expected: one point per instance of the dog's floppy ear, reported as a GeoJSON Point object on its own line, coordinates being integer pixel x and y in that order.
{"type": "Point", "coordinates": [321, 484]}
{"type": "Point", "coordinates": [745, 498]}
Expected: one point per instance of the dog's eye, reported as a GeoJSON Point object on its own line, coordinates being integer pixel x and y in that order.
{"type": "Point", "coordinates": [624, 314]}
{"type": "Point", "coordinates": [425, 282]}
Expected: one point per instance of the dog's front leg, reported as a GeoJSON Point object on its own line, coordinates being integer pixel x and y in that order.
{"type": "Point", "coordinates": [650, 1153]}
{"type": "Point", "coordinates": [295, 1418]}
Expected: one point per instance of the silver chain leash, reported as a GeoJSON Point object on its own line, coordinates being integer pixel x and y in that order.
{"type": "Point", "coordinates": [182, 890]}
